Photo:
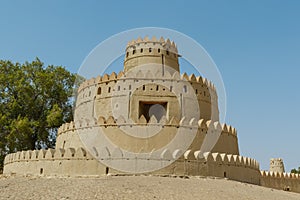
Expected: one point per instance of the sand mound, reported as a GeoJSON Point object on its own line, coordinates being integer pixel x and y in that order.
{"type": "Point", "coordinates": [134, 187]}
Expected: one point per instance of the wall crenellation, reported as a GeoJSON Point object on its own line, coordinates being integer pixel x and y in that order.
{"type": "Point", "coordinates": [154, 40]}
{"type": "Point", "coordinates": [285, 175]}
{"type": "Point", "coordinates": [173, 121]}
{"type": "Point", "coordinates": [113, 78]}
{"type": "Point", "coordinates": [49, 154]}
{"type": "Point", "coordinates": [280, 180]}
{"type": "Point", "coordinates": [81, 153]}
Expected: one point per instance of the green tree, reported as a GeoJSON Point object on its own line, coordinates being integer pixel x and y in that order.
{"type": "Point", "coordinates": [34, 101]}
{"type": "Point", "coordinates": [295, 171]}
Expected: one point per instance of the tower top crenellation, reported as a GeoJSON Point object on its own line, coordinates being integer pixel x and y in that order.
{"type": "Point", "coordinates": [161, 51]}
{"type": "Point", "coordinates": [163, 43]}
{"type": "Point", "coordinates": [276, 165]}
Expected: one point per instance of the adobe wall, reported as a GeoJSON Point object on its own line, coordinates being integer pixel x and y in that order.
{"type": "Point", "coordinates": [70, 135]}
{"type": "Point", "coordinates": [281, 181]}
{"type": "Point", "coordinates": [61, 162]}
{"type": "Point", "coordinates": [96, 96]}
{"type": "Point", "coordinates": [71, 162]}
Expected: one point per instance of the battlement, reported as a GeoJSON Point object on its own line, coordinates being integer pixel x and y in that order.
{"type": "Point", "coordinates": [164, 43]}
{"type": "Point", "coordinates": [49, 154]}
{"type": "Point", "coordinates": [78, 162]}
{"type": "Point", "coordinates": [276, 165]}
{"type": "Point", "coordinates": [163, 122]}
{"type": "Point", "coordinates": [151, 51]}
{"type": "Point", "coordinates": [229, 159]}
{"type": "Point", "coordinates": [282, 175]}
{"type": "Point", "coordinates": [280, 180]}
{"type": "Point", "coordinates": [140, 75]}
{"type": "Point", "coordinates": [105, 153]}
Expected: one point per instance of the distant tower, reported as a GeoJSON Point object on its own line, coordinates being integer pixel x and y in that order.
{"type": "Point", "coordinates": [148, 51]}
{"type": "Point", "coordinates": [276, 165]}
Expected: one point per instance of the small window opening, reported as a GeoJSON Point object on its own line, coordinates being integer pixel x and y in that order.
{"type": "Point", "coordinates": [129, 87]}
{"type": "Point", "coordinates": [167, 52]}
{"type": "Point", "coordinates": [171, 88]}
{"type": "Point", "coordinates": [185, 89]}
{"type": "Point", "coordinates": [157, 88]}
{"type": "Point", "coordinates": [133, 52]}
{"type": "Point", "coordinates": [158, 50]}
{"type": "Point", "coordinates": [99, 90]}
{"type": "Point", "coordinates": [106, 170]}
{"type": "Point", "coordinates": [142, 50]}
{"type": "Point", "coordinates": [119, 88]}
{"type": "Point", "coordinates": [196, 91]}
{"type": "Point", "coordinates": [150, 50]}
{"type": "Point", "coordinates": [225, 174]}
{"type": "Point", "coordinates": [127, 54]}
{"type": "Point", "coordinates": [41, 171]}
{"type": "Point", "coordinates": [108, 89]}
{"type": "Point", "coordinates": [143, 87]}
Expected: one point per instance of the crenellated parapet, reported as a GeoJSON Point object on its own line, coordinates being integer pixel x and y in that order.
{"type": "Point", "coordinates": [281, 175]}
{"type": "Point", "coordinates": [145, 51]}
{"type": "Point", "coordinates": [163, 122]}
{"type": "Point", "coordinates": [280, 180]}
{"type": "Point", "coordinates": [66, 127]}
{"type": "Point", "coordinates": [49, 154]}
{"type": "Point", "coordinates": [166, 43]}
{"type": "Point", "coordinates": [140, 75]}
{"type": "Point", "coordinates": [80, 161]}
{"type": "Point", "coordinates": [229, 129]}
{"type": "Point", "coordinates": [106, 153]}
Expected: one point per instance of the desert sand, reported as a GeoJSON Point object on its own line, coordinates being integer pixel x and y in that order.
{"type": "Point", "coordinates": [134, 187]}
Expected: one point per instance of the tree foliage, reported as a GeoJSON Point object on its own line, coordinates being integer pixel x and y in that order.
{"type": "Point", "coordinates": [295, 171]}
{"type": "Point", "coordinates": [34, 101]}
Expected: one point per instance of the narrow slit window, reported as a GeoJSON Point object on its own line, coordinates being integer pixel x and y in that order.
{"type": "Point", "coordinates": [133, 52]}
{"type": "Point", "coordinates": [142, 50]}
{"type": "Point", "coordinates": [167, 52]}
{"type": "Point", "coordinates": [127, 54]}
{"type": "Point", "coordinates": [157, 87]}
{"type": "Point", "coordinates": [108, 89]}
{"type": "Point", "coordinates": [184, 89]}
{"type": "Point", "coordinates": [158, 50]}
{"type": "Point", "coordinates": [143, 87]}
{"type": "Point", "coordinates": [99, 90]}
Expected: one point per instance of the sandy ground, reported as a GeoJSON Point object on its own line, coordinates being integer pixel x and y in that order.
{"type": "Point", "coordinates": [134, 187]}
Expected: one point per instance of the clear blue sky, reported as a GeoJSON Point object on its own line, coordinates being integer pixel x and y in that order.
{"type": "Point", "coordinates": [255, 44]}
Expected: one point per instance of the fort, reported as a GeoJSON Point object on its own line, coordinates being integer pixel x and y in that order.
{"type": "Point", "coordinates": [148, 119]}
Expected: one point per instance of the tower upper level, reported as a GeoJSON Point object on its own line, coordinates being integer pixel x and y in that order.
{"type": "Point", "coordinates": [276, 165]}
{"type": "Point", "coordinates": [147, 51]}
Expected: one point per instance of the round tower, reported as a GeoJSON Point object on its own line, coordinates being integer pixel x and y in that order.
{"type": "Point", "coordinates": [146, 51]}
{"type": "Point", "coordinates": [276, 165]}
